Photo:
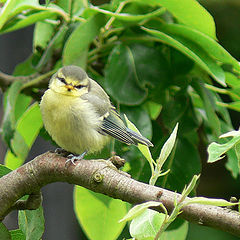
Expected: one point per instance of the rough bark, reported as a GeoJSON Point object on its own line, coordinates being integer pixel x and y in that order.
{"type": "Point", "coordinates": [97, 176]}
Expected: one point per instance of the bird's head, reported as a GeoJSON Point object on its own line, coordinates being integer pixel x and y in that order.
{"type": "Point", "coordinates": [70, 80]}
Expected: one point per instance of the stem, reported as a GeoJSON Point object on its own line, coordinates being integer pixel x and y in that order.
{"type": "Point", "coordinates": [119, 9]}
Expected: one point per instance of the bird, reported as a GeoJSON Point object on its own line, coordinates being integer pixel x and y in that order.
{"type": "Point", "coordinates": [79, 116]}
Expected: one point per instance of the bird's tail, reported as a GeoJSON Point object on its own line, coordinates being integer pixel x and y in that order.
{"type": "Point", "coordinates": [138, 138]}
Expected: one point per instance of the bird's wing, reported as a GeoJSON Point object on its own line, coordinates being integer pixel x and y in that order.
{"type": "Point", "coordinates": [112, 123]}
{"type": "Point", "coordinates": [114, 126]}
{"type": "Point", "coordinates": [98, 98]}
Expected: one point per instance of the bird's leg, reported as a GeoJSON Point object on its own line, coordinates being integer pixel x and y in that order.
{"type": "Point", "coordinates": [72, 158]}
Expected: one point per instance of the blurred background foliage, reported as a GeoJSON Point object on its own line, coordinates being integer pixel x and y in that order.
{"type": "Point", "coordinates": [161, 62]}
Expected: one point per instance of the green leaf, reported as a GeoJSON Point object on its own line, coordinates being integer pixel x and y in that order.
{"type": "Point", "coordinates": [233, 162]}
{"type": "Point", "coordinates": [121, 79]}
{"type": "Point", "coordinates": [45, 56]}
{"type": "Point", "coordinates": [136, 69]}
{"type": "Point", "coordinates": [167, 148]}
{"type": "Point", "coordinates": [19, 146]}
{"type": "Point", "coordinates": [179, 109]}
{"type": "Point", "coordinates": [190, 13]}
{"type": "Point", "coordinates": [216, 151]}
{"type": "Point", "coordinates": [22, 5]}
{"type": "Point", "coordinates": [43, 32]}
{"type": "Point", "coordinates": [97, 219]}
{"type": "Point", "coordinates": [232, 80]}
{"type": "Point", "coordinates": [214, 49]}
{"type": "Point", "coordinates": [190, 187]}
{"type": "Point", "coordinates": [179, 229]}
{"type": "Point", "coordinates": [154, 109]}
{"type": "Point", "coordinates": [22, 104]}
{"type": "Point", "coordinates": [142, 148]}
{"type": "Point", "coordinates": [76, 47]}
{"type": "Point", "coordinates": [17, 234]}
{"type": "Point", "coordinates": [146, 226]}
{"type": "Point", "coordinates": [210, 201]}
{"type": "Point", "coordinates": [28, 127]}
{"type": "Point", "coordinates": [4, 170]}
{"type": "Point", "coordinates": [138, 209]}
{"type": "Point", "coordinates": [193, 51]}
{"type": "Point", "coordinates": [28, 20]}
{"type": "Point", "coordinates": [31, 223]}
{"type": "Point", "coordinates": [201, 232]}
{"type": "Point", "coordinates": [5, 11]}
{"type": "Point", "coordinates": [127, 16]}
{"type": "Point", "coordinates": [185, 163]}
{"type": "Point", "coordinates": [237, 151]}
{"type": "Point", "coordinates": [25, 68]}
{"type": "Point", "coordinates": [8, 125]}
{"type": "Point", "coordinates": [209, 105]}
{"type": "Point", "coordinates": [4, 233]}
{"type": "Point", "coordinates": [152, 68]}
{"type": "Point", "coordinates": [140, 118]}
{"type": "Point", "coordinates": [76, 6]}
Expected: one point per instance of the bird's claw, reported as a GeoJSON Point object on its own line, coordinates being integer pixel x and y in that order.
{"type": "Point", "coordinates": [73, 158]}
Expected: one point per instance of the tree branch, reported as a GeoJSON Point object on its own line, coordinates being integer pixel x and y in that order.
{"type": "Point", "coordinates": [33, 80]}
{"type": "Point", "coordinates": [99, 177]}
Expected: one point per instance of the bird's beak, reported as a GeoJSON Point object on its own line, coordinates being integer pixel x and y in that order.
{"type": "Point", "coordinates": [69, 87]}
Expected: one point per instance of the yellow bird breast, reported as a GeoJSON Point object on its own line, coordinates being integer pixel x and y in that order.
{"type": "Point", "coordinates": [72, 122]}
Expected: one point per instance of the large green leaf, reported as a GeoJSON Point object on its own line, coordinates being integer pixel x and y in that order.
{"type": "Point", "coordinates": [210, 45]}
{"type": "Point", "coordinates": [27, 129]}
{"type": "Point", "coordinates": [151, 65]}
{"type": "Point", "coordinates": [31, 223]}
{"type": "Point", "coordinates": [17, 234]}
{"type": "Point", "coordinates": [139, 209]}
{"type": "Point", "coordinates": [22, 5]}
{"type": "Point", "coordinates": [216, 151]}
{"type": "Point", "coordinates": [179, 109]}
{"type": "Point", "coordinates": [4, 233]}
{"type": "Point", "coordinates": [9, 120]}
{"type": "Point", "coordinates": [28, 20]}
{"type": "Point", "coordinates": [201, 232]}
{"type": "Point", "coordinates": [4, 170]}
{"type": "Point", "coordinates": [98, 214]}
{"type": "Point", "coordinates": [131, 69]}
{"type": "Point", "coordinates": [146, 226]}
{"type": "Point", "coordinates": [45, 56]}
{"type": "Point", "coordinates": [209, 105]}
{"type": "Point", "coordinates": [76, 47]}
{"type": "Point", "coordinates": [194, 51]}
{"type": "Point", "coordinates": [183, 165]}
{"type": "Point", "coordinates": [190, 13]}
{"type": "Point", "coordinates": [6, 10]}
{"type": "Point", "coordinates": [121, 79]}
{"type": "Point", "coordinates": [76, 6]}
{"type": "Point", "coordinates": [43, 32]}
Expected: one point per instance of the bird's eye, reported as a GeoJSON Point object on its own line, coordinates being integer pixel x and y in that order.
{"type": "Point", "coordinates": [62, 80]}
{"type": "Point", "coordinates": [80, 86]}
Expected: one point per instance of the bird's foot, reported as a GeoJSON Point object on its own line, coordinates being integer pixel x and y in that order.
{"type": "Point", "coordinates": [62, 152]}
{"type": "Point", "coordinates": [73, 158]}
